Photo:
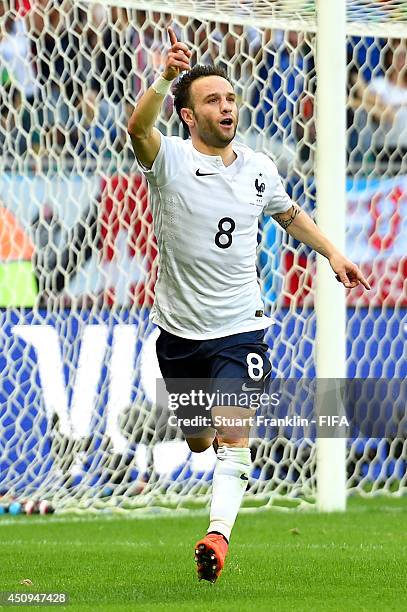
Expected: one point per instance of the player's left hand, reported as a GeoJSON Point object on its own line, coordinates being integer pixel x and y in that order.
{"type": "Point", "coordinates": [347, 272]}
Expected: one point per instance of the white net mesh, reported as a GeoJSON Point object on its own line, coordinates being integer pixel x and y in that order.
{"type": "Point", "coordinates": [78, 257]}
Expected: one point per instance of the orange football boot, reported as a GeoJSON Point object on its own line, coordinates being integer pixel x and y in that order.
{"type": "Point", "coordinates": [210, 553]}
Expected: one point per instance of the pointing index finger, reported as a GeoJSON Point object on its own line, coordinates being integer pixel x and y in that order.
{"type": "Point", "coordinates": [363, 280]}
{"type": "Point", "coordinates": [171, 34]}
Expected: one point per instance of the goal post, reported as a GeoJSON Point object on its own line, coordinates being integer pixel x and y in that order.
{"type": "Point", "coordinates": [330, 305]}
{"type": "Point", "coordinates": [80, 424]}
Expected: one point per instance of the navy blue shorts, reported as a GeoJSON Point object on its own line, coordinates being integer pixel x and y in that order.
{"type": "Point", "coordinates": [240, 356]}
{"type": "Point", "coordinates": [236, 363]}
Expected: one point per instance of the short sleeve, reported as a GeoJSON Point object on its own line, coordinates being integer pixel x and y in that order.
{"type": "Point", "coordinates": [168, 163]}
{"type": "Point", "coordinates": [278, 200]}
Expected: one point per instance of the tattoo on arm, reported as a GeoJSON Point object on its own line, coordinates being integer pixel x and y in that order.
{"type": "Point", "coordinates": [285, 219]}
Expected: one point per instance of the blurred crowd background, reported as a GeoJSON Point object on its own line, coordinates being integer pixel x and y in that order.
{"type": "Point", "coordinates": [71, 72]}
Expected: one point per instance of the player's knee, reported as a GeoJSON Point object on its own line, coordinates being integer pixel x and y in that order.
{"type": "Point", "coordinates": [199, 445]}
{"type": "Point", "coordinates": [233, 425]}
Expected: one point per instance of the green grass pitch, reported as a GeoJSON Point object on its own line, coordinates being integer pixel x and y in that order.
{"type": "Point", "coordinates": [277, 561]}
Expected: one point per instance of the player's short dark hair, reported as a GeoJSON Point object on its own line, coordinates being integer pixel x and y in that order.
{"type": "Point", "coordinates": [182, 87]}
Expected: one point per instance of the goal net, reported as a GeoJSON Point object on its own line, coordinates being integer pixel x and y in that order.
{"type": "Point", "coordinates": [79, 421]}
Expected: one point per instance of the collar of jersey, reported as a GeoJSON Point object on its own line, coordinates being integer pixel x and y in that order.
{"type": "Point", "coordinates": [215, 161]}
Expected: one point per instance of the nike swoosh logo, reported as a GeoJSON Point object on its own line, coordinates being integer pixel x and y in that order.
{"type": "Point", "coordinates": [198, 173]}
{"type": "Point", "coordinates": [246, 388]}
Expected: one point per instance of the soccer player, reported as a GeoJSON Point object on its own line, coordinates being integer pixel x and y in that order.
{"type": "Point", "coordinates": [207, 193]}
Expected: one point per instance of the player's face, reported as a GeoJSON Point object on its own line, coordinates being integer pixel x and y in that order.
{"type": "Point", "coordinates": [215, 113]}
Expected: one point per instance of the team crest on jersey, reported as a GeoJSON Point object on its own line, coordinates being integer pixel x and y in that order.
{"type": "Point", "coordinates": [260, 187]}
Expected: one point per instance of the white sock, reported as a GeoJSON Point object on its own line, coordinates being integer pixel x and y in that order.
{"type": "Point", "coordinates": [229, 484]}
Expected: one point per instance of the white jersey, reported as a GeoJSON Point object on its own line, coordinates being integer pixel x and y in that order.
{"type": "Point", "coordinates": [206, 223]}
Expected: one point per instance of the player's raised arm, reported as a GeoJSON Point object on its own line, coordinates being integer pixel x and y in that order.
{"type": "Point", "coordinates": [300, 226]}
{"type": "Point", "coordinates": [145, 137]}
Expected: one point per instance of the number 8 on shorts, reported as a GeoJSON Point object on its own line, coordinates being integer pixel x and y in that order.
{"type": "Point", "coordinates": [254, 366]}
